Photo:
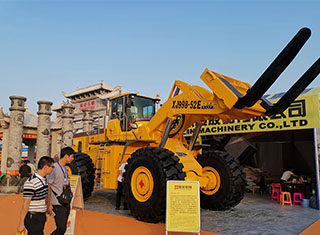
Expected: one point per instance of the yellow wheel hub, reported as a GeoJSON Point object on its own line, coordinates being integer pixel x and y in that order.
{"type": "Point", "coordinates": [142, 184]}
{"type": "Point", "coordinates": [214, 180]}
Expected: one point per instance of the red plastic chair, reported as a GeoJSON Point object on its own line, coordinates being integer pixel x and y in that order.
{"type": "Point", "coordinates": [297, 198]}
{"type": "Point", "coordinates": [276, 191]}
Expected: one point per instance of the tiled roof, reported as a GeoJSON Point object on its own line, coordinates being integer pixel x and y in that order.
{"type": "Point", "coordinates": [95, 87]}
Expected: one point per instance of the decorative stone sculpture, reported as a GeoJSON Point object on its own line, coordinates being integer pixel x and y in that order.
{"type": "Point", "coordinates": [17, 110]}
{"type": "Point", "coordinates": [67, 124]}
{"type": "Point", "coordinates": [87, 120]}
{"type": "Point", "coordinates": [43, 131]}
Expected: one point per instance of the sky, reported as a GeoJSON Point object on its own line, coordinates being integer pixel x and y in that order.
{"type": "Point", "coordinates": [50, 47]}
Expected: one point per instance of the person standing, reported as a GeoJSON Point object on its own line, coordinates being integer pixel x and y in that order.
{"type": "Point", "coordinates": [285, 177]}
{"type": "Point", "coordinates": [34, 208]}
{"type": "Point", "coordinates": [120, 187]}
{"type": "Point", "coordinates": [33, 169]}
{"type": "Point", "coordinates": [24, 173]}
{"type": "Point", "coordinates": [56, 182]}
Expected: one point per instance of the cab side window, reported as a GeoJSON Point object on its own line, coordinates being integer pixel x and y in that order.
{"type": "Point", "coordinates": [117, 108]}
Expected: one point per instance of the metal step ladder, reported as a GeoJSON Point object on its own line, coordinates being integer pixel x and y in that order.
{"type": "Point", "coordinates": [99, 166]}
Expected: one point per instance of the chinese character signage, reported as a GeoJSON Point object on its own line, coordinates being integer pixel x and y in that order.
{"type": "Point", "coordinates": [87, 105]}
{"type": "Point", "coordinates": [29, 136]}
{"type": "Point", "coordinates": [303, 113]}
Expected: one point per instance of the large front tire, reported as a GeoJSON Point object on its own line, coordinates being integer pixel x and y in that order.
{"type": "Point", "coordinates": [82, 165]}
{"type": "Point", "coordinates": [229, 181]}
{"type": "Point", "coordinates": [146, 175]}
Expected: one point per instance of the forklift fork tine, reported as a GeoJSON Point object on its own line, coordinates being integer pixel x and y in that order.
{"type": "Point", "coordinates": [274, 70]}
{"type": "Point", "coordinates": [296, 89]}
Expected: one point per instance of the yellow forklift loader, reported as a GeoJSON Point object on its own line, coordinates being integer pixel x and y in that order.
{"type": "Point", "coordinates": [153, 144]}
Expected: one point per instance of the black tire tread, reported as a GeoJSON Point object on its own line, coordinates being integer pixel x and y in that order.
{"type": "Point", "coordinates": [237, 181]}
{"type": "Point", "coordinates": [82, 165]}
{"type": "Point", "coordinates": [170, 168]}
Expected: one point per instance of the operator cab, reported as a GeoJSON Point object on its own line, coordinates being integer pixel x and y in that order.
{"type": "Point", "coordinates": [130, 108]}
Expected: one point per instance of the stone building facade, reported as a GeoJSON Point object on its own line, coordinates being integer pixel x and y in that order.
{"type": "Point", "coordinates": [92, 98]}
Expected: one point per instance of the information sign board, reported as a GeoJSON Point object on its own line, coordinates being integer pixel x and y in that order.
{"type": "Point", "coordinates": [77, 202]}
{"type": "Point", "coordinates": [76, 188]}
{"type": "Point", "coordinates": [183, 206]}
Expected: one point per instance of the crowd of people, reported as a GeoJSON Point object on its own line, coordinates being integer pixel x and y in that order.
{"type": "Point", "coordinates": [41, 191]}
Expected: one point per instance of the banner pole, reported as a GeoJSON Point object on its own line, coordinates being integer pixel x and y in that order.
{"type": "Point", "coordinates": [316, 137]}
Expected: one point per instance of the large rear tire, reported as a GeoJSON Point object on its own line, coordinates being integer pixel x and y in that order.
{"type": "Point", "coordinates": [230, 184]}
{"type": "Point", "coordinates": [146, 175]}
{"type": "Point", "coordinates": [82, 165]}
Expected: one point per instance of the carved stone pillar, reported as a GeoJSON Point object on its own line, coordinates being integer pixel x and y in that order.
{"type": "Point", "coordinates": [67, 124]}
{"type": "Point", "coordinates": [31, 150]}
{"type": "Point", "coordinates": [59, 144]}
{"type": "Point", "coordinates": [43, 130]}
{"type": "Point", "coordinates": [4, 153]}
{"type": "Point", "coordinates": [87, 120]}
{"type": "Point", "coordinates": [15, 133]}
{"type": "Point", "coordinates": [58, 135]}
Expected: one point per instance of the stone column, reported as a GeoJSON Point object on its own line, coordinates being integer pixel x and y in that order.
{"type": "Point", "coordinates": [43, 130]}
{"type": "Point", "coordinates": [67, 124]}
{"type": "Point", "coordinates": [31, 149]}
{"type": "Point", "coordinates": [4, 153]}
{"type": "Point", "coordinates": [57, 136]}
{"type": "Point", "coordinates": [58, 145]}
{"type": "Point", "coordinates": [15, 133]}
{"type": "Point", "coordinates": [87, 120]}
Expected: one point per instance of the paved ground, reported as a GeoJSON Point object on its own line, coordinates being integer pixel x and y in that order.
{"type": "Point", "coordinates": [254, 215]}
{"type": "Point", "coordinates": [86, 222]}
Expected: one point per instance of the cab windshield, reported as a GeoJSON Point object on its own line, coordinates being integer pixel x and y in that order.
{"type": "Point", "coordinates": [141, 109]}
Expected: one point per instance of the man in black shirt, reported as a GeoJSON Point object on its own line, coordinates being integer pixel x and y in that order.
{"type": "Point", "coordinates": [25, 173]}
